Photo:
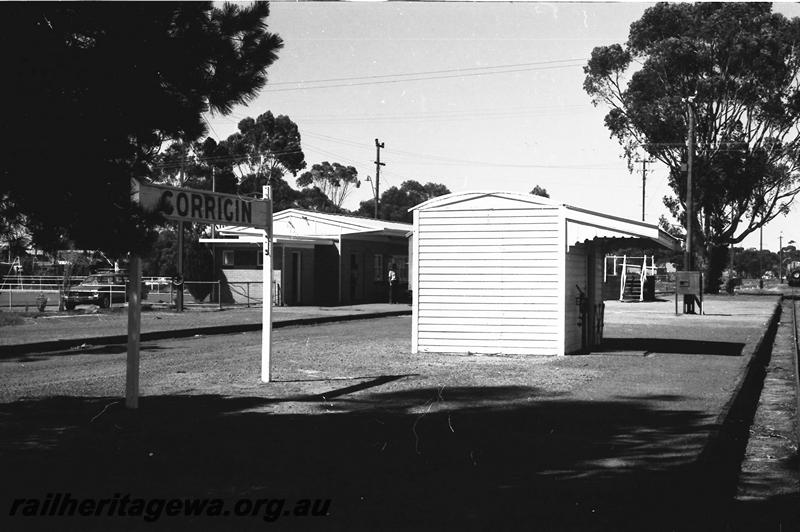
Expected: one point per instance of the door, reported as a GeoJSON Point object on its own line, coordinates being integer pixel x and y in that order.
{"type": "Point", "coordinates": [297, 277]}
{"type": "Point", "coordinates": [356, 278]}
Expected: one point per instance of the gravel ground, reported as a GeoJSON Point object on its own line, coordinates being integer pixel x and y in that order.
{"type": "Point", "coordinates": [90, 321]}
{"type": "Point", "coordinates": [607, 441]}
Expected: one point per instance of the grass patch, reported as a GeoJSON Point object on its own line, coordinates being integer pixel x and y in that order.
{"type": "Point", "coordinates": [10, 318]}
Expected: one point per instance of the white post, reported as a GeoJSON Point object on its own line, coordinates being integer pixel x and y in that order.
{"type": "Point", "coordinates": [266, 316]}
{"type": "Point", "coordinates": [642, 277]}
{"type": "Point", "coordinates": [134, 327]}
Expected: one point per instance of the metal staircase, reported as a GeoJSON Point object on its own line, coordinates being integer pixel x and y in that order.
{"type": "Point", "coordinates": [633, 276]}
{"type": "Point", "coordinates": [632, 288]}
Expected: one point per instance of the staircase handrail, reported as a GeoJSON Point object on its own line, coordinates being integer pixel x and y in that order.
{"type": "Point", "coordinates": [642, 277]}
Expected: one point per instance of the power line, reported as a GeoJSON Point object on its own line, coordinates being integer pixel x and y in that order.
{"type": "Point", "coordinates": [511, 71]}
{"type": "Point", "coordinates": [448, 161]}
{"type": "Point", "coordinates": [210, 126]}
{"type": "Point", "coordinates": [447, 71]}
{"type": "Point", "coordinates": [452, 116]}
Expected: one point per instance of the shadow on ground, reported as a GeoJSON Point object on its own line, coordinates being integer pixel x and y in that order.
{"type": "Point", "coordinates": [467, 458]}
{"type": "Point", "coordinates": [670, 345]}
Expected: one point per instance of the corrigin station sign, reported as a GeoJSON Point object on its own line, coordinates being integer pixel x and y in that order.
{"type": "Point", "coordinates": [203, 206]}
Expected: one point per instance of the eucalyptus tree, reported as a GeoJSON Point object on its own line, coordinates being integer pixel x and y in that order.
{"type": "Point", "coordinates": [265, 149]}
{"type": "Point", "coordinates": [734, 67]}
{"type": "Point", "coordinates": [395, 202]}
{"type": "Point", "coordinates": [335, 180]}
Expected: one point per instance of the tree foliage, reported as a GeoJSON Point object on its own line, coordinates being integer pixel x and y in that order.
{"type": "Point", "coordinates": [161, 258]}
{"type": "Point", "coordinates": [97, 89]}
{"type": "Point", "coordinates": [395, 202]}
{"type": "Point", "coordinates": [266, 149]}
{"type": "Point", "coordinates": [735, 67]}
{"type": "Point", "coordinates": [752, 263]}
{"type": "Point", "coordinates": [199, 267]}
{"type": "Point", "coordinates": [204, 165]}
{"type": "Point", "coordinates": [333, 180]}
{"type": "Point", "coordinates": [540, 191]}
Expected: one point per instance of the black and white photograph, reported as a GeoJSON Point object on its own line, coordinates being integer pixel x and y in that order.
{"type": "Point", "coordinates": [403, 266]}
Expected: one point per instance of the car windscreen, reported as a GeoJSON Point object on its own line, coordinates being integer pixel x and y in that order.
{"type": "Point", "coordinates": [96, 279]}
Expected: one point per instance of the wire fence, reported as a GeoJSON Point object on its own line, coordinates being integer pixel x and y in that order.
{"type": "Point", "coordinates": [18, 291]}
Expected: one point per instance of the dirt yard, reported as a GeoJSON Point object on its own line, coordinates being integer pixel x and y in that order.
{"type": "Point", "coordinates": [608, 441]}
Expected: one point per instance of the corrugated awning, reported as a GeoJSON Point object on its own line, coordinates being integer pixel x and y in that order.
{"type": "Point", "coordinates": [583, 225]}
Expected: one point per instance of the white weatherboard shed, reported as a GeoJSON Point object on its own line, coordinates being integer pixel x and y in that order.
{"type": "Point", "coordinates": [499, 272]}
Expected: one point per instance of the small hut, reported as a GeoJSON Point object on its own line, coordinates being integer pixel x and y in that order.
{"type": "Point", "coordinates": [499, 272]}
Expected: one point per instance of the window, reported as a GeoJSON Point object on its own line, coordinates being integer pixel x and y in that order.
{"type": "Point", "coordinates": [378, 261]}
{"type": "Point", "coordinates": [227, 258]}
{"type": "Point", "coordinates": [246, 257]}
{"type": "Point", "coordinates": [401, 262]}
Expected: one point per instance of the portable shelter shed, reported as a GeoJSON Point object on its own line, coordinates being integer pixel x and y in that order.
{"type": "Point", "coordinates": [499, 272]}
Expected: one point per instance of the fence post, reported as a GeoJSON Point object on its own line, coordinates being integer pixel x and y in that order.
{"type": "Point", "coordinates": [219, 295]}
{"type": "Point", "coordinates": [248, 293]}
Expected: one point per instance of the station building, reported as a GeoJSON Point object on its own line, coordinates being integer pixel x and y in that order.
{"type": "Point", "coordinates": [318, 259]}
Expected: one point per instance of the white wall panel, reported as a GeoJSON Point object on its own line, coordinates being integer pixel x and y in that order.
{"type": "Point", "coordinates": [487, 280]}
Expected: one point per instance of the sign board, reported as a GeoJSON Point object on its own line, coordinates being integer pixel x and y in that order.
{"type": "Point", "coordinates": [191, 205]}
{"type": "Point", "coordinates": [688, 283]}
{"type": "Point", "coordinates": [203, 206]}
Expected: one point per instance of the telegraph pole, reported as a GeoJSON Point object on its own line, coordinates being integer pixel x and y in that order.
{"type": "Point", "coordinates": [644, 179]}
{"type": "Point", "coordinates": [687, 259]}
{"type": "Point", "coordinates": [179, 288]}
{"type": "Point", "coordinates": [378, 164]}
{"type": "Point", "coordinates": [760, 257]}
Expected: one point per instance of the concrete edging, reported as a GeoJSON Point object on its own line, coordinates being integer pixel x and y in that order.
{"type": "Point", "coordinates": [64, 344]}
{"type": "Point", "coordinates": [727, 441]}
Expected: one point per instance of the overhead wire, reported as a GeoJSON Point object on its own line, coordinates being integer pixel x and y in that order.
{"type": "Point", "coordinates": [449, 161]}
{"type": "Point", "coordinates": [427, 78]}
{"type": "Point", "coordinates": [429, 72]}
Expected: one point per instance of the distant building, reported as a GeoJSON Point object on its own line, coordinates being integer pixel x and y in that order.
{"type": "Point", "coordinates": [318, 259]}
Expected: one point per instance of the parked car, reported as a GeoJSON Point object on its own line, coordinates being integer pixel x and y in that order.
{"type": "Point", "coordinates": [794, 277]}
{"type": "Point", "coordinates": [101, 289]}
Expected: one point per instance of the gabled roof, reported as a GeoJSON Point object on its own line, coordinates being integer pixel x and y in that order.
{"type": "Point", "coordinates": [459, 197]}
{"type": "Point", "coordinates": [581, 224]}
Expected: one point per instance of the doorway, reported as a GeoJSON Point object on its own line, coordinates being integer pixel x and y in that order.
{"type": "Point", "coordinates": [356, 278]}
{"type": "Point", "coordinates": [297, 277]}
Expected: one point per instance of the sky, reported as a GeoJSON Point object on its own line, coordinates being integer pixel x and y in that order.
{"type": "Point", "coordinates": [474, 95]}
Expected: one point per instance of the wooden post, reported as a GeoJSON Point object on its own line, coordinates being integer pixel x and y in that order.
{"type": "Point", "coordinates": [134, 328]}
{"type": "Point", "coordinates": [266, 306]}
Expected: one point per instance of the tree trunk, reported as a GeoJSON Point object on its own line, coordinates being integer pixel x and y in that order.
{"type": "Point", "coordinates": [717, 256]}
